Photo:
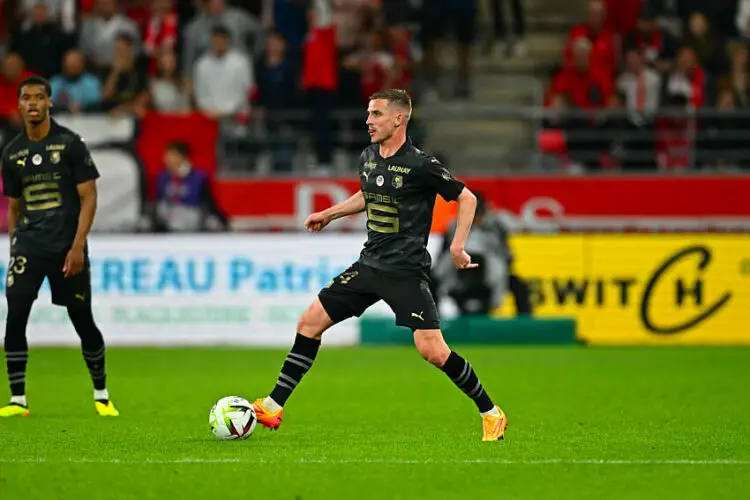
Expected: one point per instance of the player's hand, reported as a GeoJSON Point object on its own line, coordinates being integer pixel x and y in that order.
{"type": "Point", "coordinates": [461, 259]}
{"type": "Point", "coordinates": [317, 221]}
{"type": "Point", "coordinates": [73, 262]}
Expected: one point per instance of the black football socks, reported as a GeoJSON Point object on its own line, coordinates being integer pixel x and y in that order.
{"type": "Point", "coordinates": [462, 374]}
{"type": "Point", "coordinates": [299, 360]}
{"type": "Point", "coordinates": [92, 347]}
{"type": "Point", "coordinates": [16, 347]}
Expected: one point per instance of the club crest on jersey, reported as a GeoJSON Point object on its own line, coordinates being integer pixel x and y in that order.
{"type": "Point", "coordinates": [380, 180]}
{"type": "Point", "coordinates": [398, 181]}
{"type": "Point", "coordinates": [36, 159]}
{"type": "Point", "coordinates": [55, 157]}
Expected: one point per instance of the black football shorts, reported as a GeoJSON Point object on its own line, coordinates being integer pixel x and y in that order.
{"type": "Point", "coordinates": [360, 286]}
{"type": "Point", "coordinates": [26, 274]}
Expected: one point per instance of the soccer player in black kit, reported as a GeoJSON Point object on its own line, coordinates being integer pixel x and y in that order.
{"type": "Point", "coordinates": [399, 184]}
{"type": "Point", "coordinates": [50, 180]}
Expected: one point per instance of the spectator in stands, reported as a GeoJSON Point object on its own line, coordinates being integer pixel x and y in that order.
{"type": "Point", "coordinates": [100, 33]}
{"type": "Point", "coordinates": [290, 21]}
{"type": "Point", "coordinates": [160, 32]}
{"type": "Point", "coordinates": [722, 14]}
{"type": "Point", "coordinates": [13, 73]}
{"type": "Point", "coordinates": [687, 79]}
{"type": "Point", "coordinates": [658, 46]}
{"type": "Point", "coordinates": [278, 83]}
{"type": "Point", "coordinates": [738, 78]}
{"type": "Point", "coordinates": [588, 86]}
{"type": "Point", "coordinates": [245, 31]}
{"type": "Point", "coordinates": [641, 89]}
{"type": "Point", "coordinates": [707, 44]}
{"type": "Point", "coordinates": [184, 202]}
{"type": "Point", "coordinates": [461, 15]}
{"type": "Point", "coordinates": [75, 90]}
{"type": "Point", "coordinates": [320, 79]}
{"type": "Point", "coordinates": [375, 64]}
{"type": "Point", "coordinates": [169, 92]}
{"type": "Point", "coordinates": [348, 20]}
{"type": "Point", "coordinates": [223, 78]}
{"type": "Point", "coordinates": [513, 45]}
{"type": "Point", "coordinates": [126, 86]}
{"type": "Point", "coordinates": [40, 42]}
{"type": "Point", "coordinates": [595, 30]}
{"type": "Point", "coordinates": [641, 86]}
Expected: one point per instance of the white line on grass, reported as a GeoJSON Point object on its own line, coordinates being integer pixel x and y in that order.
{"type": "Point", "coordinates": [333, 461]}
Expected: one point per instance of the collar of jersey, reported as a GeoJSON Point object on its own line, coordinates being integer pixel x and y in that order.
{"type": "Point", "coordinates": [52, 127]}
{"type": "Point", "coordinates": [400, 150]}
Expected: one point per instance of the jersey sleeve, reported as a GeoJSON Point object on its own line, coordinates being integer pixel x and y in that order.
{"type": "Point", "coordinates": [440, 180]}
{"type": "Point", "coordinates": [361, 167]}
{"type": "Point", "coordinates": [81, 162]}
{"type": "Point", "coordinates": [11, 181]}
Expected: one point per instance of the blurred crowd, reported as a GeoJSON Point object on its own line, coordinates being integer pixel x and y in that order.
{"type": "Point", "coordinates": [289, 65]}
{"type": "Point", "coordinates": [653, 84]}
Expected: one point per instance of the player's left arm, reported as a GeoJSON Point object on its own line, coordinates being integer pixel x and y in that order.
{"type": "Point", "coordinates": [85, 174]}
{"type": "Point", "coordinates": [467, 205]}
{"type": "Point", "coordinates": [88, 195]}
{"type": "Point", "coordinates": [438, 178]}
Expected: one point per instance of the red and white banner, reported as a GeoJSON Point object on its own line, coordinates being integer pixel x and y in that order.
{"type": "Point", "coordinates": [690, 203]}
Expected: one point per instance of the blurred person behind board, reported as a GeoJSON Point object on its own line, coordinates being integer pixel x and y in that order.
{"type": "Point", "coordinates": [481, 290]}
{"type": "Point", "coordinates": [184, 199]}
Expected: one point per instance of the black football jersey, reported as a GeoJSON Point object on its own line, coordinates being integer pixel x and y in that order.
{"type": "Point", "coordinates": [400, 193]}
{"type": "Point", "coordinates": [44, 175]}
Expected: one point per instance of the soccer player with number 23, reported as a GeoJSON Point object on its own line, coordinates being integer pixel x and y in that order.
{"type": "Point", "coordinates": [399, 184]}
{"type": "Point", "coordinates": [50, 180]}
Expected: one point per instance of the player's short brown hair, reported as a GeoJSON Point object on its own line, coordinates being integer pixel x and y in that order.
{"type": "Point", "coordinates": [399, 97]}
{"type": "Point", "coordinates": [179, 147]}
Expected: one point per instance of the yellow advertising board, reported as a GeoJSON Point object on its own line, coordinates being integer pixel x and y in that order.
{"type": "Point", "coordinates": [641, 289]}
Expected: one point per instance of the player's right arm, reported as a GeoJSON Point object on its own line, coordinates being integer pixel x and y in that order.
{"type": "Point", "coordinates": [13, 190]}
{"type": "Point", "coordinates": [353, 205]}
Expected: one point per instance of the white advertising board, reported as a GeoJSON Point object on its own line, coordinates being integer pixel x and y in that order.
{"type": "Point", "coordinates": [202, 289]}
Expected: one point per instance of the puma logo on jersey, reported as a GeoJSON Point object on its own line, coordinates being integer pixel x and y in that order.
{"type": "Point", "coordinates": [22, 162]}
{"type": "Point", "coordinates": [415, 315]}
{"type": "Point", "coordinates": [81, 297]}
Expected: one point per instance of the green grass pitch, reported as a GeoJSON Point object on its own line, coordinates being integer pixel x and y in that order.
{"type": "Point", "coordinates": [379, 423]}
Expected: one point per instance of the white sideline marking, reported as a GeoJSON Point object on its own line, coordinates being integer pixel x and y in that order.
{"type": "Point", "coordinates": [323, 460]}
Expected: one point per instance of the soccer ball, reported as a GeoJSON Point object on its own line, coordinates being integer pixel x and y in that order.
{"type": "Point", "coordinates": [232, 418]}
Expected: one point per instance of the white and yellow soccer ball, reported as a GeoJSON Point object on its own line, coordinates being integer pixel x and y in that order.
{"type": "Point", "coordinates": [232, 417]}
